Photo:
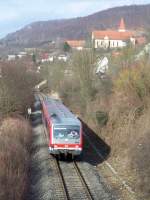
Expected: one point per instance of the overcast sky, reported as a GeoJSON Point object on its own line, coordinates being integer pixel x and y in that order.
{"type": "Point", "coordinates": [14, 14]}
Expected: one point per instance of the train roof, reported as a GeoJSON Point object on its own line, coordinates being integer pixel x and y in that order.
{"type": "Point", "coordinates": [59, 113]}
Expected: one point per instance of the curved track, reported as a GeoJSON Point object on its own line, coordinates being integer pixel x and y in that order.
{"type": "Point", "coordinates": [75, 180]}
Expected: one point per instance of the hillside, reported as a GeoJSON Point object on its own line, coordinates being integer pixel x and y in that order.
{"type": "Point", "coordinates": [136, 16]}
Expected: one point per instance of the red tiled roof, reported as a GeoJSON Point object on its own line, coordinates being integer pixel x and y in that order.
{"type": "Point", "coordinates": [114, 35]}
{"type": "Point", "coordinates": [76, 43]}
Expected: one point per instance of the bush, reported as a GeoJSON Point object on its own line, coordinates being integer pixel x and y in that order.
{"type": "Point", "coordinates": [102, 118]}
{"type": "Point", "coordinates": [15, 136]}
{"type": "Point", "coordinates": [16, 89]}
{"type": "Point", "coordinates": [134, 80]}
{"type": "Point", "coordinates": [128, 129]}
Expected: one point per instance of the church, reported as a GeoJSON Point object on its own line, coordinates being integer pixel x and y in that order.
{"type": "Point", "coordinates": [113, 39]}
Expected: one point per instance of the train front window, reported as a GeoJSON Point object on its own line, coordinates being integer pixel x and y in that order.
{"type": "Point", "coordinates": [67, 133]}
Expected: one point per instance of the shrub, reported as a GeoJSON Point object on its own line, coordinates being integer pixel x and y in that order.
{"type": "Point", "coordinates": [15, 135]}
{"type": "Point", "coordinates": [134, 80]}
{"type": "Point", "coordinates": [16, 89]}
{"type": "Point", "coordinates": [102, 118]}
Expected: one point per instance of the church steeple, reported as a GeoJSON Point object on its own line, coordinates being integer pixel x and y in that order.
{"type": "Point", "coordinates": [122, 27]}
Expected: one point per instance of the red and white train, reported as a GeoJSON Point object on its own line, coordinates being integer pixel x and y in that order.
{"type": "Point", "coordinates": [64, 130]}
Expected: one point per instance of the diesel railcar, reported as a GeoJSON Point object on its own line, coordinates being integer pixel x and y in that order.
{"type": "Point", "coordinates": [64, 130]}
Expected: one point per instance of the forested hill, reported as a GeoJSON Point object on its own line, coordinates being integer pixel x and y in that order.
{"type": "Point", "coordinates": [136, 17]}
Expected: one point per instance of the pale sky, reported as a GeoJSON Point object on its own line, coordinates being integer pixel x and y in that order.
{"type": "Point", "coordinates": [14, 14]}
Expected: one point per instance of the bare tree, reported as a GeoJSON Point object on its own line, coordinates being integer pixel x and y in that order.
{"type": "Point", "coordinates": [16, 88]}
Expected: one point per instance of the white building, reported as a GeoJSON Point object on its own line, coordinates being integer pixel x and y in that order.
{"type": "Point", "coordinates": [113, 39]}
{"type": "Point", "coordinates": [11, 57]}
{"type": "Point", "coordinates": [63, 57]}
{"type": "Point", "coordinates": [22, 54]}
{"type": "Point", "coordinates": [49, 59]}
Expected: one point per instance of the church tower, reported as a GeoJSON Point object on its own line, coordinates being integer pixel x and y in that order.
{"type": "Point", "coordinates": [122, 27]}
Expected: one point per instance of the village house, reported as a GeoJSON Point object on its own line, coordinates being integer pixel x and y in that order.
{"type": "Point", "coordinates": [63, 57]}
{"type": "Point", "coordinates": [46, 57]}
{"type": "Point", "coordinates": [11, 57]}
{"type": "Point", "coordinates": [113, 39]}
{"type": "Point", "coordinates": [22, 54]}
{"type": "Point", "coordinates": [76, 44]}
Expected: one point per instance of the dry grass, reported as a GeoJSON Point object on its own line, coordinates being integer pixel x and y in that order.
{"type": "Point", "coordinates": [15, 135]}
{"type": "Point", "coordinates": [128, 134]}
{"type": "Point", "coordinates": [140, 157]}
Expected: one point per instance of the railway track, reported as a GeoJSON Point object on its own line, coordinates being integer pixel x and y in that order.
{"type": "Point", "coordinates": [75, 184]}
{"type": "Point", "coordinates": [69, 182]}
{"type": "Point", "coordinates": [72, 185]}
{"type": "Point", "coordinates": [88, 192]}
{"type": "Point", "coordinates": [74, 180]}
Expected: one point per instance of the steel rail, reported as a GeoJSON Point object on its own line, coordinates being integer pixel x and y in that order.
{"type": "Point", "coordinates": [88, 192]}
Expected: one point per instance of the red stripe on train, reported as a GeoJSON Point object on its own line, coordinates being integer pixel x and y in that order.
{"type": "Point", "coordinates": [66, 145]}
